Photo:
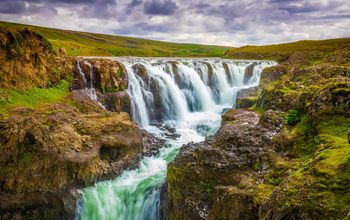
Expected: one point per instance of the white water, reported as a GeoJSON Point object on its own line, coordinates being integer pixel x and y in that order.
{"type": "Point", "coordinates": [192, 94]}
{"type": "Point", "coordinates": [88, 88]}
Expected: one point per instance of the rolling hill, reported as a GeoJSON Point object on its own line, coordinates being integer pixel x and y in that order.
{"type": "Point", "coordinates": [91, 44]}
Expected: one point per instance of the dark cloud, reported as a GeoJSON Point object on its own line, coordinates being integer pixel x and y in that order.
{"type": "Point", "coordinates": [105, 9]}
{"type": "Point", "coordinates": [160, 7]}
{"type": "Point", "coordinates": [62, 1]}
{"type": "Point", "coordinates": [134, 3]}
{"type": "Point", "coordinates": [207, 21]}
{"type": "Point", "coordinates": [12, 6]}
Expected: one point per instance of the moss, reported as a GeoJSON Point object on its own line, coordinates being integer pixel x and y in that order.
{"type": "Point", "coordinates": [174, 174]}
{"type": "Point", "coordinates": [109, 90]}
{"type": "Point", "coordinates": [263, 192]}
{"type": "Point", "coordinates": [26, 158]}
{"type": "Point", "coordinates": [334, 150]}
{"type": "Point", "coordinates": [292, 117]}
{"type": "Point", "coordinates": [35, 97]}
{"type": "Point", "coordinates": [206, 187]}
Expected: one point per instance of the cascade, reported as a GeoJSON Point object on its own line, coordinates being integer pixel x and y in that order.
{"type": "Point", "coordinates": [88, 88]}
{"type": "Point", "coordinates": [188, 94]}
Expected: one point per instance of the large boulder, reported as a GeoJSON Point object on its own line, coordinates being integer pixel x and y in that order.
{"type": "Point", "coordinates": [250, 170]}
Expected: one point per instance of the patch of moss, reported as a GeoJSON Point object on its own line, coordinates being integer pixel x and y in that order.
{"type": "Point", "coordinates": [35, 97]}
{"type": "Point", "coordinates": [292, 117]}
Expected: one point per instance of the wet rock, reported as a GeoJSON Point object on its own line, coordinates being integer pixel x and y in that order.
{"type": "Point", "coordinates": [249, 70]}
{"type": "Point", "coordinates": [247, 102]}
{"type": "Point", "coordinates": [106, 75]}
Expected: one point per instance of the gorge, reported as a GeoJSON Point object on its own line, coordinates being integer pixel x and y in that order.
{"type": "Point", "coordinates": [261, 133]}
{"type": "Point", "coordinates": [183, 96]}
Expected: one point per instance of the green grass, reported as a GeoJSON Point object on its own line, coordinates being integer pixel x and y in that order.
{"type": "Point", "coordinates": [313, 49]}
{"type": "Point", "coordinates": [33, 98]}
{"type": "Point", "coordinates": [90, 44]}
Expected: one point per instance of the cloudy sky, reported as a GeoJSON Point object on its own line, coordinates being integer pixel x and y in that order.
{"type": "Point", "coordinates": [221, 22]}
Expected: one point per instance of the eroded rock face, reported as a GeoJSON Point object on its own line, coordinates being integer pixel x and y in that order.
{"type": "Point", "coordinates": [47, 154]}
{"type": "Point", "coordinates": [117, 102]}
{"type": "Point", "coordinates": [220, 177]}
{"type": "Point", "coordinates": [27, 60]}
{"type": "Point", "coordinates": [246, 98]}
{"type": "Point", "coordinates": [108, 76]}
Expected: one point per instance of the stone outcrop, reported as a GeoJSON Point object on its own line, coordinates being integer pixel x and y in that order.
{"type": "Point", "coordinates": [217, 178]}
{"type": "Point", "coordinates": [246, 98]}
{"type": "Point", "coordinates": [109, 75]}
{"type": "Point", "coordinates": [27, 60]}
{"type": "Point", "coordinates": [250, 170]}
{"type": "Point", "coordinates": [49, 153]}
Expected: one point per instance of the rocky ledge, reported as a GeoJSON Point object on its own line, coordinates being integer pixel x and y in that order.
{"type": "Point", "coordinates": [223, 177]}
{"type": "Point", "coordinates": [49, 153]}
{"type": "Point", "coordinates": [247, 171]}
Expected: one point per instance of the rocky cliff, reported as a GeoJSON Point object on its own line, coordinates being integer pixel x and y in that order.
{"type": "Point", "coordinates": [287, 157]}
{"type": "Point", "coordinates": [27, 60]}
{"type": "Point", "coordinates": [54, 139]}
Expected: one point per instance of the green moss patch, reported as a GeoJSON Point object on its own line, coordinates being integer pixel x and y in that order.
{"type": "Point", "coordinates": [33, 98]}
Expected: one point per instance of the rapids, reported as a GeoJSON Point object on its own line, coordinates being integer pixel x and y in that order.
{"type": "Point", "coordinates": [188, 95]}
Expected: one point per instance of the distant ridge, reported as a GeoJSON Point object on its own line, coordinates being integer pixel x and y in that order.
{"type": "Point", "coordinates": [90, 44]}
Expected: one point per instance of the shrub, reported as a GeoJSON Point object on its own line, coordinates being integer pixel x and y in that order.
{"type": "Point", "coordinates": [292, 117]}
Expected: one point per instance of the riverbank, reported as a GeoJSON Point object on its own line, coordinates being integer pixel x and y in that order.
{"type": "Point", "coordinates": [287, 157]}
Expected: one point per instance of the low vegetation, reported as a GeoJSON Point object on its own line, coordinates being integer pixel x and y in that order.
{"type": "Point", "coordinates": [315, 50]}
{"type": "Point", "coordinates": [90, 44]}
{"type": "Point", "coordinates": [34, 97]}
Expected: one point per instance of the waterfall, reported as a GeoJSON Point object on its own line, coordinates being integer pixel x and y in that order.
{"type": "Point", "coordinates": [188, 94]}
{"type": "Point", "coordinates": [179, 87]}
{"type": "Point", "coordinates": [88, 88]}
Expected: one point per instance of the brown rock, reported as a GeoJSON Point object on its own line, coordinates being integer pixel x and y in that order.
{"type": "Point", "coordinates": [47, 154]}
{"type": "Point", "coordinates": [27, 61]}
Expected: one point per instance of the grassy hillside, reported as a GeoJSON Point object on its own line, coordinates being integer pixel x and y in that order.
{"type": "Point", "coordinates": [281, 52]}
{"type": "Point", "coordinates": [89, 44]}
